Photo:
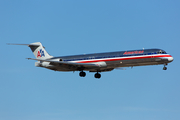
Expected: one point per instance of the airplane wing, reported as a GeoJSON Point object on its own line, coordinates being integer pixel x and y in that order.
{"type": "Point", "coordinates": [77, 65]}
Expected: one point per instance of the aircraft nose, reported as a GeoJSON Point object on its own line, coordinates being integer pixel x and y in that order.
{"type": "Point", "coordinates": [170, 59]}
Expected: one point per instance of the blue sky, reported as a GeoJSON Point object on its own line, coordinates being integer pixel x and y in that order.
{"type": "Point", "coordinates": [68, 27]}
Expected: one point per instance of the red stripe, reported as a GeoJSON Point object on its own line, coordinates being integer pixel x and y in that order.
{"type": "Point", "coordinates": [130, 58]}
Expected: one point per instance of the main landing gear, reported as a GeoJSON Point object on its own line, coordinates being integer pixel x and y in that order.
{"type": "Point", "coordinates": [83, 74]}
{"type": "Point", "coordinates": [97, 75]}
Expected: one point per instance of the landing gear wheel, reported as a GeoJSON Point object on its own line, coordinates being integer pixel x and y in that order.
{"type": "Point", "coordinates": [97, 75]}
{"type": "Point", "coordinates": [164, 68]}
{"type": "Point", "coordinates": [82, 74]}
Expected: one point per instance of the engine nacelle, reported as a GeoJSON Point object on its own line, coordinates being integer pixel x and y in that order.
{"type": "Point", "coordinates": [42, 64]}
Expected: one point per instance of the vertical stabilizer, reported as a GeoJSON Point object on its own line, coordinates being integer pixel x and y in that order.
{"type": "Point", "coordinates": [39, 51]}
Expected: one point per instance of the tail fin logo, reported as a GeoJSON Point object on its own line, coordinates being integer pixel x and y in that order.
{"type": "Point", "coordinates": [40, 53]}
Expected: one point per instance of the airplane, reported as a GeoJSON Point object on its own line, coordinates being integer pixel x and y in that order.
{"type": "Point", "coordinates": [98, 62]}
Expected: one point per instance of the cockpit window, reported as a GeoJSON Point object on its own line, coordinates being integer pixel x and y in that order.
{"type": "Point", "coordinates": [161, 52]}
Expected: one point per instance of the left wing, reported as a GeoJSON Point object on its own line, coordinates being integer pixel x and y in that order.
{"type": "Point", "coordinates": [78, 65]}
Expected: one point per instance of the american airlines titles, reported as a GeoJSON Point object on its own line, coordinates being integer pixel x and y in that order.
{"type": "Point", "coordinates": [133, 52]}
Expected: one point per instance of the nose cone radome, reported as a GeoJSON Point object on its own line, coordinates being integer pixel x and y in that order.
{"type": "Point", "coordinates": [170, 59]}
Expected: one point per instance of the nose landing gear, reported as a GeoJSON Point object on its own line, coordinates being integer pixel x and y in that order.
{"type": "Point", "coordinates": [165, 68]}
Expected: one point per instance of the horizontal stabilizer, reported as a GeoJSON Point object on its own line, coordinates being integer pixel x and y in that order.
{"type": "Point", "coordinates": [37, 49]}
{"type": "Point", "coordinates": [29, 45]}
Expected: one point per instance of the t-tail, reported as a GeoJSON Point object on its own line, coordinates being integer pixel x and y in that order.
{"type": "Point", "coordinates": [38, 50]}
